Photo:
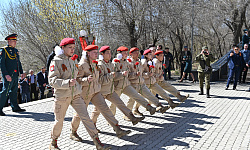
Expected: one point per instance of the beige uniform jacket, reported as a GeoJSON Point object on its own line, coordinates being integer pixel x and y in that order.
{"type": "Point", "coordinates": [86, 69]}
{"type": "Point", "coordinates": [106, 78]}
{"type": "Point", "coordinates": [133, 69]}
{"type": "Point", "coordinates": [62, 69]}
{"type": "Point", "coordinates": [146, 71]}
{"type": "Point", "coordinates": [120, 80]}
{"type": "Point", "coordinates": [158, 72]}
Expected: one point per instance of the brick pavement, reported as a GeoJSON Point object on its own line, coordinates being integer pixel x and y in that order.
{"type": "Point", "coordinates": [221, 122]}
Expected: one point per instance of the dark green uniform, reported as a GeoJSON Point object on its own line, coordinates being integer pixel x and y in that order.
{"type": "Point", "coordinates": [204, 62]}
{"type": "Point", "coordinates": [10, 65]}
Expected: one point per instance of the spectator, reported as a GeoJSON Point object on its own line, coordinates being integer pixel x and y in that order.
{"type": "Point", "coordinates": [183, 56]}
{"type": "Point", "coordinates": [50, 57]}
{"type": "Point", "coordinates": [235, 63]}
{"type": "Point", "coordinates": [24, 88]}
{"type": "Point", "coordinates": [33, 85]}
{"type": "Point", "coordinates": [246, 56]}
{"type": "Point", "coordinates": [245, 39]}
{"type": "Point", "coordinates": [42, 80]}
{"type": "Point", "coordinates": [159, 48]}
{"type": "Point", "coordinates": [168, 58]}
{"type": "Point", "coordinates": [188, 66]}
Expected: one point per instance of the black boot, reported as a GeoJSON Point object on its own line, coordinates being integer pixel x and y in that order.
{"type": "Point", "coordinates": [208, 96]}
{"type": "Point", "coordinates": [201, 92]}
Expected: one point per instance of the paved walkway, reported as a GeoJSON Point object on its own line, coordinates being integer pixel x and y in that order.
{"type": "Point", "coordinates": [221, 122]}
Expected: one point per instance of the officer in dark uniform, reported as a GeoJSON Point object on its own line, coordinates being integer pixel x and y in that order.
{"type": "Point", "coordinates": [11, 67]}
{"type": "Point", "coordinates": [235, 63]}
{"type": "Point", "coordinates": [245, 39]}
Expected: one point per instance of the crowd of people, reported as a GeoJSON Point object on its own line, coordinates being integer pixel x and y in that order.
{"type": "Point", "coordinates": [96, 79]}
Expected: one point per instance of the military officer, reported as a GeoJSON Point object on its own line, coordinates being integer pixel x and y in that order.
{"type": "Point", "coordinates": [11, 67]}
{"type": "Point", "coordinates": [245, 39]}
{"type": "Point", "coordinates": [204, 69]}
{"type": "Point", "coordinates": [235, 64]}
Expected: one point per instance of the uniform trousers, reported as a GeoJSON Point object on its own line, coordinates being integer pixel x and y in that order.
{"type": "Point", "coordinates": [232, 72]}
{"type": "Point", "coordinates": [169, 87]}
{"type": "Point", "coordinates": [9, 90]}
{"type": "Point", "coordinates": [98, 100]}
{"type": "Point", "coordinates": [132, 93]}
{"type": "Point", "coordinates": [114, 99]}
{"type": "Point", "coordinates": [60, 109]}
{"type": "Point", "coordinates": [145, 92]}
{"type": "Point", "coordinates": [201, 77]}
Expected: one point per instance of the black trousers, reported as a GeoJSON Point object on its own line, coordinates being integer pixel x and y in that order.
{"type": "Point", "coordinates": [244, 75]}
{"type": "Point", "coordinates": [33, 90]}
{"type": "Point", "coordinates": [42, 89]}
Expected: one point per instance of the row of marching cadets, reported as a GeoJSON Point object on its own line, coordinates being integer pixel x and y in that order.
{"type": "Point", "coordinates": [78, 84]}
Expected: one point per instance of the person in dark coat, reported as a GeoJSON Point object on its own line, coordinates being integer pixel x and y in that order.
{"type": "Point", "coordinates": [245, 39]}
{"type": "Point", "coordinates": [168, 59]}
{"type": "Point", "coordinates": [50, 57]}
{"type": "Point", "coordinates": [246, 55]}
{"type": "Point", "coordinates": [33, 85]}
{"type": "Point", "coordinates": [183, 61]}
{"type": "Point", "coordinates": [235, 63]}
{"type": "Point", "coordinates": [24, 88]}
{"type": "Point", "coordinates": [42, 80]}
{"type": "Point", "coordinates": [188, 66]}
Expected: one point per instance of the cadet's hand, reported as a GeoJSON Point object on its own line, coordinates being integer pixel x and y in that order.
{"type": "Point", "coordinates": [138, 73]}
{"type": "Point", "coordinates": [161, 77]}
{"type": "Point", "coordinates": [25, 79]}
{"type": "Point", "coordinates": [247, 65]}
{"type": "Point", "coordinates": [231, 54]}
{"type": "Point", "coordinates": [151, 74]}
{"type": "Point", "coordinates": [124, 73]}
{"type": "Point", "coordinates": [72, 82]}
{"type": "Point", "coordinates": [44, 84]}
{"type": "Point", "coordinates": [90, 78]}
{"type": "Point", "coordinates": [113, 73]}
{"type": "Point", "coordinates": [8, 78]}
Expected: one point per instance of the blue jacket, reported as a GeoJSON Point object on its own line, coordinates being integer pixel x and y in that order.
{"type": "Point", "coordinates": [232, 60]}
{"type": "Point", "coordinates": [246, 55]}
{"type": "Point", "coordinates": [24, 86]}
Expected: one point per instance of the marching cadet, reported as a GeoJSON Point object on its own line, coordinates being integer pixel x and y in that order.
{"type": "Point", "coordinates": [158, 74]}
{"type": "Point", "coordinates": [62, 77]}
{"type": "Point", "coordinates": [204, 69]}
{"type": "Point", "coordinates": [150, 81]}
{"type": "Point", "coordinates": [10, 67]}
{"type": "Point", "coordinates": [235, 63]}
{"type": "Point", "coordinates": [106, 79]}
{"type": "Point", "coordinates": [88, 77]}
{"type": "Point", "coordinates": [137, 82]}
{"type": "Point", "coordinates": [123, 85]}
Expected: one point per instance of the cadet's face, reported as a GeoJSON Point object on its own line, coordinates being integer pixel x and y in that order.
{"type": "Point", "coordinates": [135, 54]}
{"type": "Point", "coordinates": [107, 55]}
{"type": "Point", "coordinates": [124, 54]}
{"type": "Point", "coordinates": [12, 43]}
{"type": "Point", "coordinates": [93, 54]}
{"type": "Point", "coordinates": [149, 56]}
{"type": "Point", "coordinates": [160, 57]}
{"type": "Point", "coordinates": [69, 49]}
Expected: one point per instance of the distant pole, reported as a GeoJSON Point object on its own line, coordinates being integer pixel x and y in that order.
{"type": "Point", "coordinates": [192, 28]}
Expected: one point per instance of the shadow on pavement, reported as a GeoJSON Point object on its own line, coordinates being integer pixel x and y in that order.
{"type": "Point", "coordinates": [182, 125]}
{"type": "Point", "coordinates": [47, 116]}
{"type": "Point", "coordinates": [230, 97]}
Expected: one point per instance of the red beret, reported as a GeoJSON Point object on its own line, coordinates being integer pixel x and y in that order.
{"type": "Point", "coordinates": [122, 48]}
{"type": "Point", "coordinates": [147, 51]}
{"type": "Point", "coordinates": [104, 48]}
{"type": "Point", "coordinates": [158, 52]}
{"type": "Point", "coordinates": [133, 49]}
{"type": "Point", "coordinates": [91, 47]}
{"type": "Point", "coordinates": [67, 41]}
